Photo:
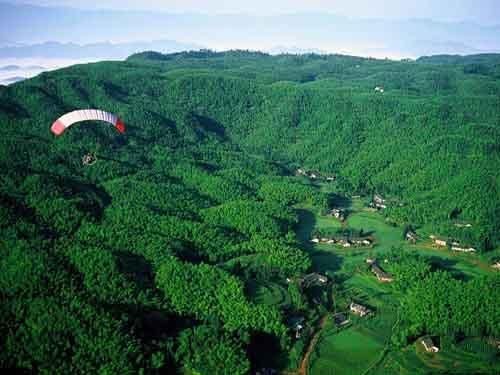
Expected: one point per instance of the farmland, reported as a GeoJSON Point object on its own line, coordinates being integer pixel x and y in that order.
{"type": "Point", "coordinates": [364, 346]}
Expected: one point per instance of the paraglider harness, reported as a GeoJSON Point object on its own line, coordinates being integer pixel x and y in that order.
{"type": "Point", "coordinates": [89, 159]}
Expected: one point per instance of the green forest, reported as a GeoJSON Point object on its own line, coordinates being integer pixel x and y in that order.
{"type": "Point", "coordinates": [179, 250]}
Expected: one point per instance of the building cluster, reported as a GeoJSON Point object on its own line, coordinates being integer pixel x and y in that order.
{"type": "Point", "coordinates": [358, 242]}
{"type": "Point", "coordinates": [463, 225]}
{"type": "Point", "coordinates": [344, 242]}
{"type": "Point", "coordinates": [463, 249]}
{"type": "Point", "coordinates": [314, 175]}
{"type": "Point", "coordinates": [338, 213]}
{"type": "Point", "coordinates": [323, 240]}
{"type": "Point", "coordinates": [313, 279]}
{"type": "Point", "coordinates": [378, 202]}
{"type": "Point", "coordinates": [454, 245]}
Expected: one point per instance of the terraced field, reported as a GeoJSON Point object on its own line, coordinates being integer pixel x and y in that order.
{"type": "Point", "coordinates": [269, 294]}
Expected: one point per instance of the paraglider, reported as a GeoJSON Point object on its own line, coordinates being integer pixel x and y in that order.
{"type": "Point", "coordinates": [89, 159]}
{"type": "Point", "coordinates": [71, 118]}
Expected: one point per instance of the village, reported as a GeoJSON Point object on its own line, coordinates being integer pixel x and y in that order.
{"type": "Point", "coordinates": [346, 313]}
{"type": "Point", "coordinates": [298, 323]}
{"type": "Point", "coordinates": [454, 245]}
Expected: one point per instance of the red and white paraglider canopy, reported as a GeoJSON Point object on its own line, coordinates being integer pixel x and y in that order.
{"type": "Point", "coordinates": [70, 118]}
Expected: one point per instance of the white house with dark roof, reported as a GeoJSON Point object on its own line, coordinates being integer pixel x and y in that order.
{"type": "Point", "coordinates": [463, 249]}
{"type": "Point", "coordinates": [381, 274]}
{"type": "Point", "coordinates": [358, 309]}
{"type": "Point", "coordinates": [411, 236]}
{"type": "Point", "coordinates": [441, 243]}
{"type": "Point", "coordinates": [429, 345]}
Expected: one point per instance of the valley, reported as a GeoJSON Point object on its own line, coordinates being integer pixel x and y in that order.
{"type": "Point", "coordinates": [364, 346]}
{"type": "Point", "coordinates": [252, 214]}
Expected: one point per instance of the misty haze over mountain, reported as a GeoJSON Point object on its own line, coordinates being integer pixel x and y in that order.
{"type": "Point", "coordinates": [104, 50]}
{"type": "Point", "coordinates": [70, 35]}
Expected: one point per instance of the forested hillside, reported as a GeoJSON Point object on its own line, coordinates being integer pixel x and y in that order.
{"type": "Point", "coordinates": [144, 261]}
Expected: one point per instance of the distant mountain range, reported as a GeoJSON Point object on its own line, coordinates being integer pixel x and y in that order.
{"type": "Point", "coordinates": [14, 73]}
{"type": "Point", "coordinates": [12, 68]}
{"type": "Point", "coordinates": [295, 50]}
{"type": "Point", "coordinates": [10, 80]}
{"type": "Point", "coordinates": [304, 31]}
{"type": "Point", "coordinates": [110, 51]}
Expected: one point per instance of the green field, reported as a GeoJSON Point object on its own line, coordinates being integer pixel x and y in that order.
{"type": "Point", "coordinates": [415, 360]}
{"type": "Point", "coordinates": [349, 351]}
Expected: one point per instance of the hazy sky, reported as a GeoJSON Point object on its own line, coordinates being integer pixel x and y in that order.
{"type": "Point", "coordinates": [380, 28]}
{"type": "Point", "coordinates": [480, 11]}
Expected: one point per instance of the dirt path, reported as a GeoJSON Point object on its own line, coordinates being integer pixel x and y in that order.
{"type": "Point", "coordinates": [302, 370]}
